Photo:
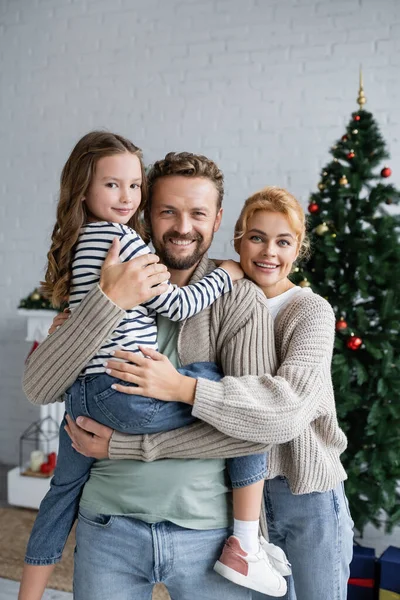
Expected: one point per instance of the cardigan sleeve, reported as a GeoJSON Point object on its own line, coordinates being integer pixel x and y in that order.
{"type": "Point", "coordinates": [276, 409]}
{"type": "Point", "coordinates": [56, 363]}
{"type": "Point", "coordinates": [199, 440]}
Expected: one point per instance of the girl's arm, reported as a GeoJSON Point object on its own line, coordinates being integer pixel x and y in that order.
{"type": "Point", "coordinates": [180, 303]}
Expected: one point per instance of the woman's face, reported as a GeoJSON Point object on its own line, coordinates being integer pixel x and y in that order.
{"type": "Point", "coordinates": [268, 250]}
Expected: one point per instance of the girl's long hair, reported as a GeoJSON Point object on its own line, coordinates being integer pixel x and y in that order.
{"type": "Point", "coordinates": [75, 180]}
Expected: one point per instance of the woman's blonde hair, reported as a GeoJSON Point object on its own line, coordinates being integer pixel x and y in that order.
{"type": "Point", "coordinates": [274, 199]}
{"type": "Point", "coordinates": [75, 180]}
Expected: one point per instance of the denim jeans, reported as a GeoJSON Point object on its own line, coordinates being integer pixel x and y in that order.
{"type": "Point", "coordinates": [122, 558]}
{"type": "Point", "coordinates": [316, 532]}
{"type": "Point", "coordinates": [92, 396]}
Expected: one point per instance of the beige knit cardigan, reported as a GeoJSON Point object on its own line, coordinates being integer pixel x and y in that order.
{"type": "Point", "coordinates": [291, 414]}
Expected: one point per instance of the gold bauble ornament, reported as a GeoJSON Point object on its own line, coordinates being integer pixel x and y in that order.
{"type": "Point", "coordinates": [333, 235]}
{"type": "Point", "coordinates": [321, 229]}
{"type": "Point", "coordinates": [355, 131]}
{"type": "Point", "coordinates": [321, 186]}
{"type": "Point", "coordinates": [343, 180]}
{"type": "Point", "coordinates": [35, 295]}
{"type": "Point", "coordinates": [304, 283]}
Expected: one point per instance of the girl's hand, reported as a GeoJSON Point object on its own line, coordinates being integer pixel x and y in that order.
{"type": "Point", "coordinates": [59, 320]}
{"type": "Point", "coordinates": [133, 282]}
{"type": "Point", "coordinates": [234, 269]}
{"type": "Point", "coordinates": [156, 378]}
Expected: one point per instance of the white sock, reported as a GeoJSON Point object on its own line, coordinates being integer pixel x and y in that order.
{"type": "Point", "coordinates": [247, 533]}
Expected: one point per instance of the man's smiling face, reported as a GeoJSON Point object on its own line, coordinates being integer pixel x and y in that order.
{"type": "Point", "coordinates": [184, 216]}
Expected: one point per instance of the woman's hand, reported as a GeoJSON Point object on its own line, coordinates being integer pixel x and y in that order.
{"type": "Point", "coordinates": [59, 320]}
{"type": "Point", "coordinates": [131, 283]}
{"type": "Point", "coordinates": [156, 378]}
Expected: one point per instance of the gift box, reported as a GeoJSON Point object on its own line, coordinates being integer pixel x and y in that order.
{"type": "Point", "coordinates": [390, 574]}
{"type": "Point", "coordinates": [362, 574]}
{"type": "Point", "coordinates": [386, 595]}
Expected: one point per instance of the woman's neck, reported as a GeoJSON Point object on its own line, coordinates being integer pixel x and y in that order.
{"type": "Point", "coordinates": [279, 288]}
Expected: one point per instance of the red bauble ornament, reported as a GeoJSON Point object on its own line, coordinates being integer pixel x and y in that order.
{"type": "Point", "coordinates": [357, 117]}
{"type": "Point", "coordinates": [341, 324]}
{"type": "Point", "coordinates": [386, 172]}
{"type": "Point", "coordinates": [354, 342]}
{"type": "Point", "coordinates": [313, 208]}
{"type": "Point", "coordinates": [351, 155]}
{"type": "Point", "coordinates": [344, 138]}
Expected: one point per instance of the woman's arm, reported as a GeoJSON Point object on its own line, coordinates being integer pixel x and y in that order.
{"type": "Point", "coordinates": [57, 362]}
{"type": "Point", "coordinates": [277, 409]}
{"type": "Point", "coordinates": [264, 409]}
{"type": "Point", "coordinates": [199, 440]}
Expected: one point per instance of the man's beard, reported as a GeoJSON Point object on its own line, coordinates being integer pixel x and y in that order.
{"type": "Point", "coordinates": [186, 262]}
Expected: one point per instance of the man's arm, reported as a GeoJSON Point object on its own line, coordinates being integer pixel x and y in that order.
{"type": "Point", "coordinates": [57, 362]}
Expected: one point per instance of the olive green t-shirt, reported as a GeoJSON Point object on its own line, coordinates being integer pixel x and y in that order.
{"type": "Point", "coordinates": [189, 493]}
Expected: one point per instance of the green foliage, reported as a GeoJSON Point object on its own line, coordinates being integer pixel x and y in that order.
{"type": "Point", "coordinates": [356, 266]}
{"type": "Point", "coordinates": [36, 301]}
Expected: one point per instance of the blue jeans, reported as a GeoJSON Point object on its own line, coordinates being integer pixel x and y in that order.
{"type": "Point", "coordinates": [316, 532]}
{"type": "Point", "coordinates": [92, 396]}
{"type": "Point", "coordinates": [122, 558]}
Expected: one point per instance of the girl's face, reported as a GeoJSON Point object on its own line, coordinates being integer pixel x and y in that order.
{"type": "Point", "coordinates": [268, 250]}
{"type": "Point", "coordinates": [114, 193]}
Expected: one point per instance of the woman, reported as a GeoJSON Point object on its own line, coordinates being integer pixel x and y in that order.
{"type": "Point", "coordinates": [307, 512]}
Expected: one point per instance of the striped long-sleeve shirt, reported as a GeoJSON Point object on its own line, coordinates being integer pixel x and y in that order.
{"type": "Point", "coordinates": [139, 324]}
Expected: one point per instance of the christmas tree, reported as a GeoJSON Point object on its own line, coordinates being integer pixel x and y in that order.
{"type": "Point", "coordinates": [355, 265]}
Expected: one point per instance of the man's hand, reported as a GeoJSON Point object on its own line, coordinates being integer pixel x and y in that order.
{"type": "Point", "coordinates": [89, 437]}
{"type": "Point", "coordinates": [131, 283]}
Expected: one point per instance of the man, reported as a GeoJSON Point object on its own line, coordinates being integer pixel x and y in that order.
{"type": "Point", "coordinates": [164, 521]}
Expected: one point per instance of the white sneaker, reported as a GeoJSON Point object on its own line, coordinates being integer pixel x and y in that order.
{"type": "Point", "coordinates": [277, 557]}
{"type": "Point", "coordinates": [253, 571]}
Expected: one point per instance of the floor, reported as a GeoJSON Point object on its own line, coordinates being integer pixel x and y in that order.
{"type": "Point", "coordinates": [9, 589]}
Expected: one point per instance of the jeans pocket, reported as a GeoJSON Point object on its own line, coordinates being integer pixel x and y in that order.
{"type": "Point", "coordinates": [95, 519]}
{"type": "Point", "coordinates": [346, 502]}
{"type": "Point", "coordinates": [125, 411]}
{"type": "Point", "coordinates": [68, 405]}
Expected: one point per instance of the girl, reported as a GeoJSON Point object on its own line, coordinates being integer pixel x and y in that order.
{"type": "Point", "coordinates": [103, 190]}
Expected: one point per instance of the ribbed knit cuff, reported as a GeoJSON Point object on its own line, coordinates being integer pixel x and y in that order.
{"type": "Point", "coordinates": [209, 401]}
{"type": "Point", "coordinates": [123, 446]}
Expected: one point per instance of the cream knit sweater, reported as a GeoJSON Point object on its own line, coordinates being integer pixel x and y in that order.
{"type": "Point", "coordinates": [245, 413]}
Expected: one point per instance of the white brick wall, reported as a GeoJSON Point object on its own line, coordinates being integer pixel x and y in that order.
{"type": "Point", "coordinates": [262, 86]}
